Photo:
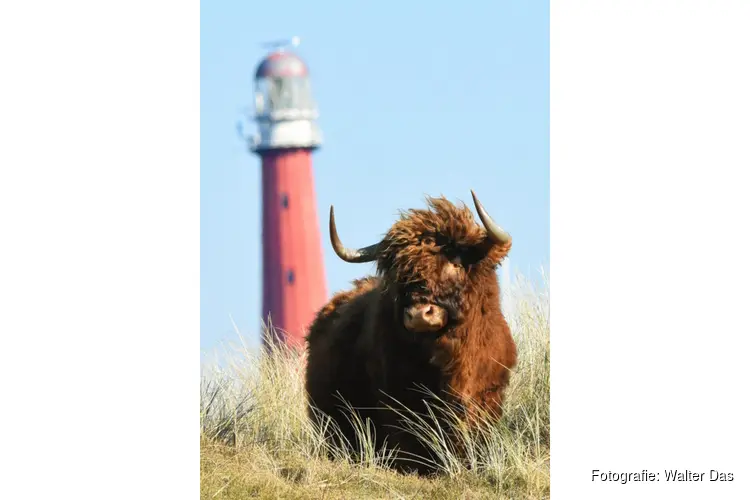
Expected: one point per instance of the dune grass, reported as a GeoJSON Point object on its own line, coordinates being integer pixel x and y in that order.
{"type": "Point", "coordinates": [257, 442]}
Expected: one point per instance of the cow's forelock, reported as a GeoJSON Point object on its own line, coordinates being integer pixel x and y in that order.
{"type": "Point", "coordinates": [411, 248]}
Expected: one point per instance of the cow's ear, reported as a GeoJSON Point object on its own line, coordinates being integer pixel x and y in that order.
{"type": "Point", "coordinates": [492, 253]}
{"type": "Point", "coordinates": [497, 252]}
{"type": "Point", "coordinates": [384, 262]}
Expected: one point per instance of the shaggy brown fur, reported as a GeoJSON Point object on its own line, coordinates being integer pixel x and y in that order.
{"type": "Point", "coordinates": [358, 346]}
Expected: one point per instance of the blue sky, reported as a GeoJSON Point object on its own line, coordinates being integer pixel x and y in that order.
{"type": "Point", "coordinates": [415, 98]}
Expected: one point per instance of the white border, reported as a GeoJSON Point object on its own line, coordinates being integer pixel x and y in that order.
{"type": "Point", "coordinates": [649, 160]}
{"type": "Point", "coordinates": [99, 251]}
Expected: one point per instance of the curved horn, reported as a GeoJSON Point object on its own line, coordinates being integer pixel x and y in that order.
{"type": "Point", "coordinates": [366, 254]}
{"type": "Point", "coordinates": [494, 231]}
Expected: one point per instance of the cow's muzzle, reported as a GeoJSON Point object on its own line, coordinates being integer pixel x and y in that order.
{"type": "Point", "coordinates": [423, 318]}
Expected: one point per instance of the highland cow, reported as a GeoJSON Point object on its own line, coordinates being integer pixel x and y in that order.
{"type": "Point", "coordinates": [430, 317]}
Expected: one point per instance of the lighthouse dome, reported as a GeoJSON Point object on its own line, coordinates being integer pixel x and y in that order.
{"type": "Point", "coordinates": [281, 64]}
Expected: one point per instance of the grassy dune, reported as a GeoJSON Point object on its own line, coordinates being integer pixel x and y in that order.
{"type": "Point", "coordinates": [256, 441]}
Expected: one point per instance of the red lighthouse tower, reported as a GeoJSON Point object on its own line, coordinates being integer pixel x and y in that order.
{"type": "Point", "coordinates": [293, 277]}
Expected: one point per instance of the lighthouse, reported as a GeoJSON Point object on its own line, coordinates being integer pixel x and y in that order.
{"type": "Point", "coordinates": [287, 134]}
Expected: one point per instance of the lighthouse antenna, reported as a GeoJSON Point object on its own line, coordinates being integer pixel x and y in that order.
{"type": "Point", "coordinates": [282, 44]}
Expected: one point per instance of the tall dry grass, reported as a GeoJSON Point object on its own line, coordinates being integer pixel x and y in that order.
{"type": "Point", "coordinates": [256, 439]}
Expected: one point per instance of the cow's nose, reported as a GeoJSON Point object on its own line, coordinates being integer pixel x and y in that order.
{"type": "Point", "coordinates": [424, 318]}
